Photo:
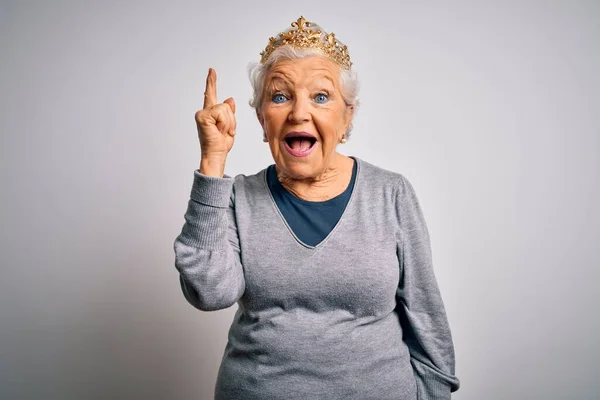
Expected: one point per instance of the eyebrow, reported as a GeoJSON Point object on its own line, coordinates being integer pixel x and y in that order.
{"type": "Point", "coordinates": [276, 79]}
{"type": "Point", "coordinates": [280, 76]}
{"type": "Point", "coordinates": [329, 78]}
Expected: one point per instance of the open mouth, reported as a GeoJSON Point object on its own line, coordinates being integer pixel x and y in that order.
{"type": "Point", "coordinates": [299, 144]}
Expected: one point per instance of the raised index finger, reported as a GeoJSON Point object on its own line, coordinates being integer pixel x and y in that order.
{"type": "Point", "coordinates": [210, 93]}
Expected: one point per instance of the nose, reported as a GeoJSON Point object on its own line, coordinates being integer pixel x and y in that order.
{"type": "Point", "coordinates": [300, 110]}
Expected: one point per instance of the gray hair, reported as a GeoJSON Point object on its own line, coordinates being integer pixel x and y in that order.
{"type": "Point", "coordinates": [257, 73]}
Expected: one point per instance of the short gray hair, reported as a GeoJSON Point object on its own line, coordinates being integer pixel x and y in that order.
{"type": "Point", "coordinates": [257, 73]}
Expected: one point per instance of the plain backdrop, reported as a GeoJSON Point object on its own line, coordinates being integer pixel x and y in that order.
{"type": "Point", "coordinates": [490, 108]}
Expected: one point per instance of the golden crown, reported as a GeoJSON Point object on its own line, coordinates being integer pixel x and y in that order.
{"type": "Point", "coordinates": [303, 36]}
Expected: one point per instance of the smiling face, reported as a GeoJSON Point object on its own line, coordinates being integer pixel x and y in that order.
{"type": "Point", "coordinates": [304, 115]}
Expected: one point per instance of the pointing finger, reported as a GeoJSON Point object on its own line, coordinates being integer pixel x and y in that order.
{"type": "Point", "coordinates": [210, 93]}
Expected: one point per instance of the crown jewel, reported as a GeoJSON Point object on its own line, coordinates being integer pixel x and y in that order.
{"type": "Point", "coordinates": [302, 35]}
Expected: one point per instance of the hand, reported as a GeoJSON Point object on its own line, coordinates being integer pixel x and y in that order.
{"type": "Point", "coordinates": [216, 128]}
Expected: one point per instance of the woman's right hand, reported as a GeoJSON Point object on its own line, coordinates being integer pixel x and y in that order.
{"type": "Point", "coordinates": [216, 129]}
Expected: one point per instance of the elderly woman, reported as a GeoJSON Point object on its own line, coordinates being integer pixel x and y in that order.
{"type": "Point", "coordinates": [327, 256]}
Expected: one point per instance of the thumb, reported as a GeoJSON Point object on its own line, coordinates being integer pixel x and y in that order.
{"type": "Point", "coordinates": [231, 103]}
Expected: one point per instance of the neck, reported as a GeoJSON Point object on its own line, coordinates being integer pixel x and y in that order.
{"type": "Point", "coordinates": [328, 184]}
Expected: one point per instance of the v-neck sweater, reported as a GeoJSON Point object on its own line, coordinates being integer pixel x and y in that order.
{"type": "Point", "coordinates": [358, 316]}
{"type": "Point", "coordinates": [310, 221]}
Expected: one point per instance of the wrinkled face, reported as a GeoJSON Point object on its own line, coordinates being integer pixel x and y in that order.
{"type": "Point", "coordinates": [304, 115]}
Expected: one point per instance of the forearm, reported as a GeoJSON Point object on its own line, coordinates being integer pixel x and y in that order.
{"type": "Point", "coordinates": [205, 255]}
{"type": "Point", "coordinates": [429, 340]}
{"type": "Point", "coordinates": [431, 384]}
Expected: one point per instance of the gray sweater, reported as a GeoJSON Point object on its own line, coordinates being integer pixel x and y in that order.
{"type": "Point", "coordinates": [359, 316]}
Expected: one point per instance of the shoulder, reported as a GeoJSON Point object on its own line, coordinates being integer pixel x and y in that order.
{"type": "Point", "coordinates": [249, 184]}
{"type": "Point", "coordinates": [376, 177]}
{"type": "Point", "coordinates": [244, 179]}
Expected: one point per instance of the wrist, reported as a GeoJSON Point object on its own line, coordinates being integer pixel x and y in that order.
{"type": "Point", "coordinates": [212, 166]}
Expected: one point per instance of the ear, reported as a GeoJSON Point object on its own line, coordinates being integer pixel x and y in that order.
{"type": "Point", "coordinates": [350, 110]}
{"type": "Point", "coordinates": [349, 114]}
{"type": "Point", "coordinates": [261, 118]}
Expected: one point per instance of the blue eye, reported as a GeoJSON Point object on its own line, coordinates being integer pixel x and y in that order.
{"type": "Point", "coordinates": [278, 98]}
{"type": "Point", "coordinates": [321, 98]}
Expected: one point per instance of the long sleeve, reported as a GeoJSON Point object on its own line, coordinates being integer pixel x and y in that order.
{"type": "Point", "coordinates": [207, 252]}
{"type": "Point", "coordinates": [419, 304]}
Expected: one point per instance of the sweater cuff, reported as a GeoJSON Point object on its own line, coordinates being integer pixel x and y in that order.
{"type": "Point", "coordinates": [211, 191]}
{"type": "Point", "coordinates": [430, 388]}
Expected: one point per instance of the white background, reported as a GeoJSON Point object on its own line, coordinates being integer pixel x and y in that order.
{"type": "Point", "coordinates": [489, 108]}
